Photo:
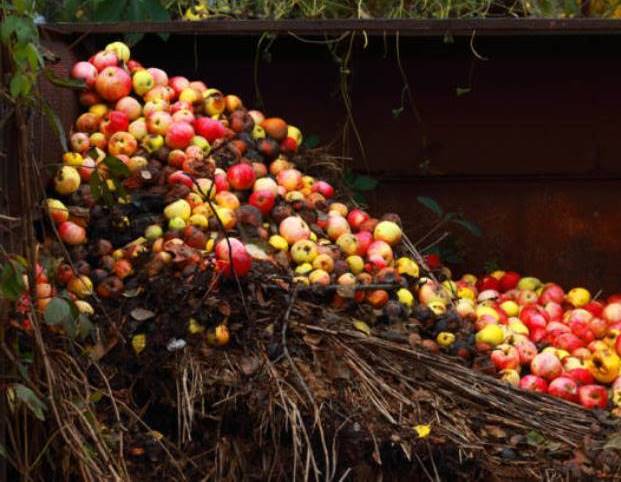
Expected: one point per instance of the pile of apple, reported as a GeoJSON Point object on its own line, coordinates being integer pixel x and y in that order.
{"type": "Point", "coordinates": [543, 339]}
{"type": "Point", "coordinates": [232, 196]}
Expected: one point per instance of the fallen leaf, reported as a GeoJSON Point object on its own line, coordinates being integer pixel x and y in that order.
{"type": "Point", "coordinates": [132, 293]}
{"type": "Point", "coordinates": [495, 431]}
{"type": "Point", "coordinates": [141, 314]}
{"type": "Point", "coordinates": [362, 326]}
{"type": "Point", "coordinates": [256, 252]}
{"type": "Point", "coordinates": [139, 342]}
{"type": "Point", "coordinates": [613, 442]}
{"type": "Point", "coordinates": [422, 431]}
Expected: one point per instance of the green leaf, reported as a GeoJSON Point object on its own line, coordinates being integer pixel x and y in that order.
{"type": "Point", "coordinates": [397, 112]}
{"type": "Point", "coordinates": [364, 183]}
{"type": "Point", "coordinates": [431, 204]}
{"type": "Point", "coordinates": [156, 11]}
{"type": "Point", "coordinates": [100, 190]}
{"type": "Point", "coordinates": [132, 38]}
{"type": "Point", "coordinates": [21, 27]}
{"type": "Point", "coordinates": [2, 451]}
{"type": "Point", "coordinates": [11, 279]}
{"type": "Point", "coordinates": [55, 123]}
{"type": "Point", "coordinates": [470, 226]}
{"type": "Point", "coordinates": [311, 141]}
{"type": "Point", "coordinates": [116, 166]}
{"type": "Point", "coordinates": [459, 91]}
{"type": "Point", "coordinates": [57, 311]}
{"type": "Point", "coordinates": [20, 6]}
{"type": "Point", "coordinates": [85, 327]}
{"type": "Point", "coordinates": [70, 327]}
{"type": "Point", "coordinates": [64, 82]}
{"type": "Point", "coordinates": [110, 10]}
{"type": "Point", "coordinates": [535, 438]}
{"type": "Point", "coordinates": [359, 198]}
{"type": "Point", "coordinates": [20, 85]}
{"type": "Point", "coordinates": [27, 53]}
{"type": "Point", "coordinates": [27, 396]}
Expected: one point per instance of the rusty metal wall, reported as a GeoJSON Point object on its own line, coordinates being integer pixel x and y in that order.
{"type": "Point", "coordinates": [530, 153]}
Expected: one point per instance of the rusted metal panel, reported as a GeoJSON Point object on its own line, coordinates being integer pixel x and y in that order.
{"type": "Point", "coordinates": [567, 231]}
{"type": "Point", "coordinates": [408, 27]}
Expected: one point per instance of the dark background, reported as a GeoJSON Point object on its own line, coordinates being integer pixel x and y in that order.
{"type": "Point", "coordinates": [530, 153]}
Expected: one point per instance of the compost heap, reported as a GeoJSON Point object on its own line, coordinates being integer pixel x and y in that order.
{"type": "Point", "coordinates": [240, 320]}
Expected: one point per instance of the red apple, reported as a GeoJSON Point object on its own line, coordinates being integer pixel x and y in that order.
{"type": "Point", "coordinates": [114, 121]}
{"type": "Point", "coordinates": [159, 122]}
{"type": "Point", "coordinates": [113, 83]}
{"type": "Point", "coordinates": [612, 313]}
{"type": "Point", "coordinates": [130, 106]}
{"type": "Point", "coordinates": [551, 292]}
{"type": "Point", "coordinates": [179, 135]}
{"type": "Point", "coordinates": [599, 327]}
{"type": "Point", "coordinates": [526, 350]}
{"type": "Point", "coordinates": [89, 97]}
{"type": "Point", "coordinates": [221, 182]}
{"type": "Point", "coordinates": [241, 176]}
{"type": "Point", "coordinates": [71, 233]}
{"type": "Point", "coordinates": [80, 141]}
{"type": "Point", "coordinates": [581, 376]}
{"type": "Point", "coordinates": [159, 76]}
{"type": "Point", "coordinates": [122, 143]}
{"type": "Point", "coordinates": [556, 328]}
{"type": "Point", "coordinates": [356, 217]}
{"type": "Point", "coordinates": [593, 396]}
{"type": "Point", "coordinates": [568, 342]}
{"type": "Point", "coordinates": [178, 83]}
{"type": "Point", "coordinates": [237, 256]}
{"type": "Point", "coordinates": [210, 129]}
{"type": "Point", "coordinates": [87, 122]}
{"type": "Point", "coordinates": [526, 297]}
{"type": "Point", "coordinates": [365, 238]}
{"type": "Point", "coordinates": [616, 298]}
{"type": "Point", "coordinates": [534, 316]}
{"type": "Point", "coordinates": [533, 383]}
{"type": "Point", "coordinates": [596, 308]}
{"type": "Point", "coordinates": [488, 283]}
{"type": "Point", "coordinates": [180, 177]}
{"type": "Point", "coordinates": [263, 200]}
{"type": "Point", "coordinates": [508, 281]}
{"type": "Point", "coordinates": [505, 356]}
{"type": "Point", "coordinates": [325, 189]}
{"type": "Point", "coordinates": [294, 228]}
{"type": "Point", "coordinates": [565, 388]}
{"type": "Point", "coordinates": [554, 311]}
{"type": "Point", "coordinates": [104, 59]}
{"type": "Point", "coordinates": [85, 71]}
{"type": "Point", "coordinates": [546, 365]}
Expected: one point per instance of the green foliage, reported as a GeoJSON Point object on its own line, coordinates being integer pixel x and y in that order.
{"type": "Point", "coordinates": [11, 278]}
{"type": "Point", "coordinates": [62, 311]}
{"type": "Point", "coordinates": [28, 398]}
{"type": "Point", "coordinates": [451, 217]}
{"type": "Point", "coordinates": [359, 184]}
{"type": "Point", "coordinates": [19, 35]}
{"type": "Point", "coordinates": [100, 189]}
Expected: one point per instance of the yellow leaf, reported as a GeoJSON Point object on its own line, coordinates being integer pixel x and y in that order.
{"type": "Point", "coordinates": [139, 342]}
{"type": "Point", "coordinates": [423, 431]}
{"type": "Point", "coordinates": [195, 327]}
{"type": "Point", "coordinates": [362, 326]}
